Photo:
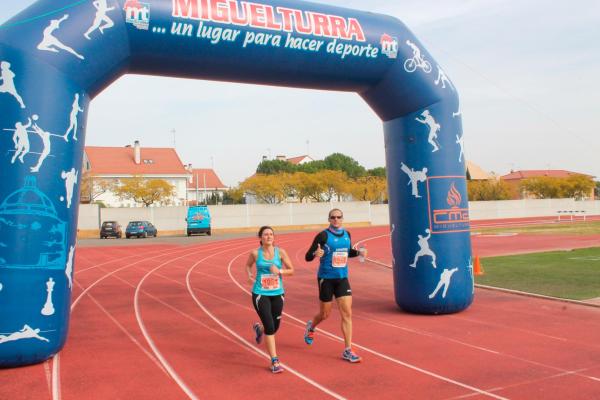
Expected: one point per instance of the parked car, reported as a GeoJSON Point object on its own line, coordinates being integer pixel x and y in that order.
{"type": "Point", "coordinates": [140, 229]}
{"type": "Point", "coordinates": [111, 228]}
{"type": "Point", "coordinates": [198, 220]}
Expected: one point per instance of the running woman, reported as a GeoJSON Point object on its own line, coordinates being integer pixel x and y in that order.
{"type": "Point", "coordinates": [334, 246]}
{"type": "Point", "coordinates": [267, 293]}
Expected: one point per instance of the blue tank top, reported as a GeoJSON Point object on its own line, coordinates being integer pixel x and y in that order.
{"type": "Point", "coordinates": [266, 283]}
{"type": "Point", "coordinates": [334, 263]}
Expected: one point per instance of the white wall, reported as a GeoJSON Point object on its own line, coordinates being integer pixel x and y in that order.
{"type": "Point", "coordinates": [255, 215]}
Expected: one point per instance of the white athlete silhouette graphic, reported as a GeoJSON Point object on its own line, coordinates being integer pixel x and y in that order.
{"type": "Point", "coordinates": [444, 281]}
{"type": "Point", "coordinates": [70, 181]}
{"type": "Point", "coordinates": [25, 333]}
{"type": "Point", "coordinates": [69, 267]}
{"type": "Point", "coordinates": [417, 61]}
{"type": "Point", "coordinates": [21, 141]}
{"type": "Point", "coordinates": [457, 113]}
{"type": "Point", "coordinates": [470, 268]}
{"type": "Point", "coordinates": [434, 128]}
{"type": "Point", "coordinates": [424, 250]}
{"type": "Point", "coordinates": [48, 306]}
{"type": "Point", "coordinates": [8, 82]}
{"type": "Point", "coordinates": [392, 237]}
{"type": "Point", "coordinates": [73, 119]}
{"type": "Point", "coordinates": [51, 43]}
{"type": "Point", "coordinates": [414, 178]}
{"type": "Point", "coordinates": [101, 10]}
{"type": "Point", "coordinates": [461, 142]}
{"type": "Point", "coordinates": [443, 78]}
{"type": "Point", "coordinates": [45, 136]}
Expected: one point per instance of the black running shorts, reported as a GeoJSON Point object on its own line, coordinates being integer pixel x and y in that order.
{"type": "Point", "coordinates": [333, 287]}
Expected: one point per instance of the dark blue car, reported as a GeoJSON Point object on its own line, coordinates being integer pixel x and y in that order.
{"type": "Point", "coordinates": [140, 229]}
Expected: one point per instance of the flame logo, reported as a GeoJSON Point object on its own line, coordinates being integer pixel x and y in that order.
{"type": "Point", "coordinates": [454, 198]}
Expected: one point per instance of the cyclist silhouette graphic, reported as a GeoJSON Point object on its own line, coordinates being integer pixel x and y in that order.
{"type": "Point", "coordinates": [417, 61]}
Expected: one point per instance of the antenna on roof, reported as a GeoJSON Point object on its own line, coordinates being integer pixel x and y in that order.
{"type": "Point", "coordinates": [174, 142]}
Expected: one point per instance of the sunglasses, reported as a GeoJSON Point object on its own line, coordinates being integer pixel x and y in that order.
{"type": "Point", "coordinates": [336, 217]}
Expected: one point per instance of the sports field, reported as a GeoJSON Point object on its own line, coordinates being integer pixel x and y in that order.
{"type": "Point", "coordinates": [572, 274]}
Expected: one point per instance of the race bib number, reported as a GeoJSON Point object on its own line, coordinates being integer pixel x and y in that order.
{"type": "Point", "coordinates": [269, 282]}
{"type": "Point", "coordinates": [339, 259]}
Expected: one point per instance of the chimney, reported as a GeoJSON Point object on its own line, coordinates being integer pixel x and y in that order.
{"type": "Point", "coordinates": [137, 152]}
{"type": "Point", "coordinates": [190, 170]}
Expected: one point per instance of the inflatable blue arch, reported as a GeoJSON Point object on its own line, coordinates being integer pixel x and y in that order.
{"type": "Point", "coordinates": [57, 55]}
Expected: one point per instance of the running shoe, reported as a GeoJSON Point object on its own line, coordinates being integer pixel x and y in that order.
{"type": "Point", "coordinates": [350, 356]}
{"type": "Point", "coordinates": [258, 332]}
{"type": "Point", "coordinates": [276, 367]}
{"type": "Point", "coordinates": [309, 333]}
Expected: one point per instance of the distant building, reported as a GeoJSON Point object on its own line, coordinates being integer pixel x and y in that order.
{"type": "Point", "coordinates": [203, 185]}
{"type": "Point", "coordinates": [476, 173]}
{"type": "Point", "coordinates": [116, 163]}
{"type": "Point", "coordinates": [514, 179]}
{"type": "Point", "coordinates": [300, 160]}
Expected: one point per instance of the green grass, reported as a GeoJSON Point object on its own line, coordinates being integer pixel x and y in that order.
{"type": "Point", "coordinates": [565, 274]}
{"type": "Point", "coordinates": [567, 228]}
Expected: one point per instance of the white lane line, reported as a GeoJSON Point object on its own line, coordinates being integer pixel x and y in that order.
{"type": "Point", "coordinates": [138, 316]}
{"type": "Point", "coordinates": [248, 344]}
{"type": "Point", "coordinates": [368, 350]}
{"type": "Point", "coordinates": [56, 390]}
{"type": "Point", "coordinates": [48, 373]}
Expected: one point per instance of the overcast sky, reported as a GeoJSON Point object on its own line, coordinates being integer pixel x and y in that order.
{"type": "Point", "coordinates": [527, 71]}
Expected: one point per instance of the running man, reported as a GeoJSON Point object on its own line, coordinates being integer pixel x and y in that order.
{"type": "Point", "coordinates": [101, 9]}
{"type": "Point", "coordinates": [444, 282]}
{"type": "Point", "coordinates": [434, 128]}
{"type": "Point", "coordinates": [51, 43]}
{"type": "Point", "coordinates": [443, 78]}
{"type": "Point", "coordinates": [76, 109]}
{"type": "Point", "coordinates": [333, 247]}
{"type": "Point", "coordinates": [267, 293]}
{"type": "Point", "coordinates": [424, 250]}
{"type": "Point", "coordinates": [21, 141]}
{"type": "Point", "coordinates": [8, 82]}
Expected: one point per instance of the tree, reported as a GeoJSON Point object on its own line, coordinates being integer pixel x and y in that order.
{"type": "Point", "coordinates": [542, 187]}
{"type": "Point", "coordinates": [308, 186]}
{"type": "Point", "coordinates": [273, 167]}
{"type": "Point", "coordinates": [93, 187]}
{"type": "Point", "coordinates": [577, 186]}
{"type": "Point", "coordinates": [334, 184]}
{"type": "Point", "coordinates": [312, 166]}
{"type": "Point", "coordinates": [145, 191]}
{"type": "Point", "coordinates": [379, 172]}
{"type": "Point", "coordinates": [487, 190]}
{"type": "Point", "coordinates": [341, 162]}
{"type": "Point", "coordinates": [266, 188]}
{"type": "Point", "coordinates": [234, 196]}
{"type": "Point", "coordinates": [370, 188]}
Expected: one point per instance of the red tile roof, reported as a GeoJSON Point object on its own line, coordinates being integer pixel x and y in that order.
{"type": "Point", "coordinates": [120, 161]}
{"type": "Point", "coordinates": [298, 160]}
{"type": "Point", "coordinates": [535, 173]}
{"type": "Point", "coordinates": [212, 180]}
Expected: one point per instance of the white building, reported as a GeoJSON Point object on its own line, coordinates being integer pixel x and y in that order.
{"type": "Point", "coordinates": [116, 163]}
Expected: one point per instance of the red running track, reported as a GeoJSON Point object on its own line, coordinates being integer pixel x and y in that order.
{"type": "Point", "coordinates": [174, 322]}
